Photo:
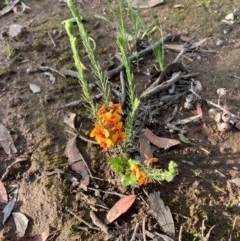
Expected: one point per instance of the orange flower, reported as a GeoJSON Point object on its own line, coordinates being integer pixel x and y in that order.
{"type": "Point", "coordinates": [111, 117]}
{"type": "Point", "coordinates": [118, 137]}
{"type": "Point", "coordinates": [141, 177]}
{"type": "Point", "coordinates": [150, 159]}
{"type": "Point", "coordinates": [99, 131]}
{"type": "Point", "coordinates": [105, 143]}
{"type": "Point", "coordinates": [108, 129]}
{"type": "Point", "coordinates": [115, 107]}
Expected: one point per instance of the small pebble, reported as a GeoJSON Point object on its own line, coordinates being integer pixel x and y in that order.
{"type": "Point", "coordinates": [220, 42]}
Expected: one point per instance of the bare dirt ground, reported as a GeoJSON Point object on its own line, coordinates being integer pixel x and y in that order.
{"type": "Point", "coordinates": [35, 120]}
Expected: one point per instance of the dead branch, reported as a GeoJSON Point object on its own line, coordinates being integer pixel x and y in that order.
{"type": "Point", "coordinates": [96, 221]}
{"type": "Point", "coordinates": [162, 86]}
{"type": "Point", "coordinates": [137, 55]}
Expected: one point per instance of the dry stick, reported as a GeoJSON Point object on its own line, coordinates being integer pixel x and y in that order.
{"type": "Point", "coordinates": [212, 103]}
{"type": "Point", "coordinates": [233, 227]}
{"type": "Point", "coordinates": [179, 56]}
{"type": "Point", "coordinates": [107, 192]}
{"type": "Point", "coordinates": [52, 40]}
{"type": "Point", "coordinates": [234, 76]}
{"type": "Point", "coordinates": [162, 86]}
{"type": "Point", "coordinates": [144, 229]}
{"type": "Point", "coordinates": [134, 232]}
{"type": "Point", "coordinates": [80, 219]}
{"type": "Point", "coordinates": [123, 87]}
{"type": "Point", "coordinates": [96, 221]}
{"type": "Point", "coordinates": [180, 233]}
{"type": "Point", "coordinates": [9, 7]}
{"type": "Point", "coordinates": [20, 159]}
{"type": "Point", "coordinates": [137, 55]}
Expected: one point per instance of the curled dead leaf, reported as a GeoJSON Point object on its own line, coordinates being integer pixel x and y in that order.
{"type": "Point", "coordinates": [75, 160]}
{"type": "Point", "coordinates": [160, 142]}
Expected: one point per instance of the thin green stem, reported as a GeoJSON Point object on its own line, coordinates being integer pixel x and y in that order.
{"type": "Point", "coordinates": [95, 65]}
{"type": "Point", "coordinates": [81, 76]}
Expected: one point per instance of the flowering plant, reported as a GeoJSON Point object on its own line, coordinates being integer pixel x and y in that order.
{"type": "Point", "coordinates": [136, 172]}
{"type": "Point", "coordinates": [108, 129]}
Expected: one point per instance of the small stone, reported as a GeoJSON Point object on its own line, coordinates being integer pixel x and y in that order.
{"type": "Point", "coordinates": [220, 42]}
{"type": "Point", "coordinates": [15, 30]}
{"type": "Point", "coordinates": [34, 88]}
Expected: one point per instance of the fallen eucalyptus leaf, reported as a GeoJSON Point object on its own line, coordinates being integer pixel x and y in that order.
{"type": "Point", "coordinates": [6, 140]}
{"type": "Point", "coordinates": [162, 214]}
{"type": "Point", "coordinates": [160, 142]}
{"type": "Point", "coordinates": [75, 160]}
{"type": "Point", "coordinates": [120, 207]}
{"type": "Point", "coordinates": [3, 193]}
{"type": "Point", "coordinates": [10, 205]}
{"type": "Point", "coordinates": [21, 223]}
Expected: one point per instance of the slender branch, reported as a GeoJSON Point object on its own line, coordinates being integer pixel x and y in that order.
{"type": "Point", "coordinates": [162, 86]}
{"type": "Point", "coordinates": [137, 55]}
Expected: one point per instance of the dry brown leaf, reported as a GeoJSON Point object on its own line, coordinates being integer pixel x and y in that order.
{"type": "Point", "coordinates": [162, 214]}
{"type": "Point", "coordinates": [160, 142]}
{"type": "Point", "coordinates": [198, 44]}
{"type": "Point", "coordinates": [3, 193]}
{"type": "Point", "coordinates": [174, 47]}
{"type": "Point", "coordinates": [120, 207]}
{"type": "Point", "coordinates": [145, 3]}
{"type": "Point", "coordinates": [75, 160]}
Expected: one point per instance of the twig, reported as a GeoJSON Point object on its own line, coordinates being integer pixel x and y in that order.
{"type": "Point", "coordinates": [197, 174]}
{"type": "Point", "coordinates": [9, 7]}
{"type": "Point", "coordinates": [18, 160]}
{"type": "Point", "coordinates": [207, 236]}
{"type": "Point", "coordinates": [134, 232]}
{"type": "Point", "coordinates": [234, 76]}
{"type": "Point", "coordinates": [162, 86]}
{"type": "Point", "coordinates": [137, 55]}
{"type": "Point", "coordinates": [180, 233]}
{"type": "Point", "coordinates": [213, 104]}
{"type": "Point", "coordinates": [44, 68]}
{"type": "Point", "coordinates": [123, 87]}
{"type": "Point", "coordinates": [52, 40]}
{"type": "Point", "coordinates": [107, 192]}
{"type": "Point", "coordinates": [179, 56]}
{"type": "Point", "coordinates": [144, 229]}
{"type": "Point", "coordinates": [96, 221]}
{"type": "Point", "coordinates": [233, 227]}
{"type": "Point", "coordinates": [80, 219]}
